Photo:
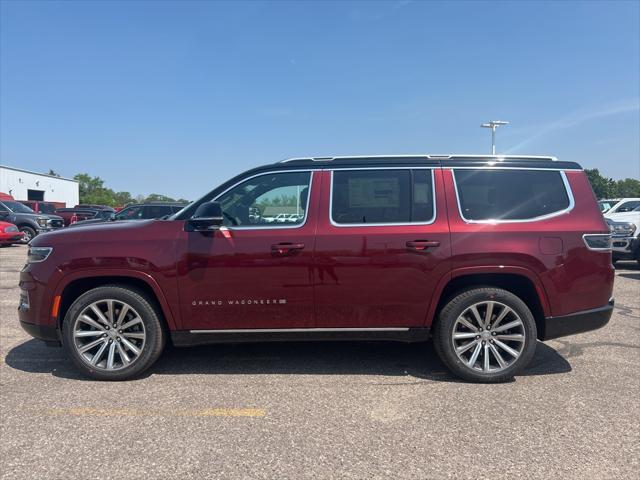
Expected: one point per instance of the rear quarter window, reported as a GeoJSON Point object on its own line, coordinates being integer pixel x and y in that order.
{"type": "Point", "coordinates": [485, 194]}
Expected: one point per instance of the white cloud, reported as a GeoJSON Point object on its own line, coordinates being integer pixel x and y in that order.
{"type": "Point", "coordinates": [577, 118]}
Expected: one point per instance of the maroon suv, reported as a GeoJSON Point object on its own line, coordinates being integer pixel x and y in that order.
{"type": "Point", "coordinates": [484, 254]}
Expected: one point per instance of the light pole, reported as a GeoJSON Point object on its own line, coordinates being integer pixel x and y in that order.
{"type": "Point", "coordinates": [493, 124]}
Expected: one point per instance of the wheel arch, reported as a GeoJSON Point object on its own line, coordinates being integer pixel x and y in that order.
{"type": "Point", "coordinates": [516, 280]}
{"type": "Point", "coordinates": [72, 288]}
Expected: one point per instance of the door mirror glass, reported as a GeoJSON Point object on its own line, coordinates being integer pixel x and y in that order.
{"type": "Point", "coordinates": [207, 217]}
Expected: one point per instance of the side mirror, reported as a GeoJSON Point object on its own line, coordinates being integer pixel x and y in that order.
{"type": "Point", "coordinates": [112, 216]}
{"type": "Point", "coordinates": [208, 217]}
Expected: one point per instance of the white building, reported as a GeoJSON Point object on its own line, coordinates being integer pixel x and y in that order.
{"type": "Point", "coordinates": [26, 185]}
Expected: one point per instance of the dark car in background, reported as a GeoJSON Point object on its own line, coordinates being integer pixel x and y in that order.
{"type": "Point", "coordinates": [28, 222]}
{"type": "Point", "coordinates": [83, 212]}
{"type": "Point", "coordinates": [142, 211]}
{"type": "Point", "coordinates": [48, 208]}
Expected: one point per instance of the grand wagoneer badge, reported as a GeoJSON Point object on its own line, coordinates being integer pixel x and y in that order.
{"type": "Point", "coordinates": [242, 301]}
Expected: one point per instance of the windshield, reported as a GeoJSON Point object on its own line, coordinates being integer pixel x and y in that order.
{"type": "Point", "coordinates": [17, 207]}
{"type": "Point", "coordinates": [605, 205]}
{"type": "Point", "coordinates": [47, 208]}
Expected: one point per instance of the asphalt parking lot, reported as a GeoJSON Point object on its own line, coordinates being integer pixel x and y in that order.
{"type": "Point", "coordinates": [323, 410]}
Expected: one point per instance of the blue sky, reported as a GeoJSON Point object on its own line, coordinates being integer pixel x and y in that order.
{"type": "Point", "coordinates": [175, 97]}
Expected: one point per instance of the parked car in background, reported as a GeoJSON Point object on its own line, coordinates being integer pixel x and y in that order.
{"type": "Point", "coordinates": [625, 230]}
{"type": "Point", "coordinates": [9, 234]}
{"type": "Point", "coordinates": [93, 206]}
{"type": "Point", "coordinates": [618, 205]}
{"type": "Point", "coordinates": [485, 254]}
{"type": "Point", "coordinates": [142, 211]}
{"type": "Point", "coordinates": [27, 221]}
{"type": "Point", "coordinates": [75, 214]}
{"type": "Point", "coordinates": [37, 206]}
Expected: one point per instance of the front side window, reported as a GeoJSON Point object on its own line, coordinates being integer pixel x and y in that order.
{"type": "Point", "coordinates": [382, 196]}
{"type": "Point", "coordinates": [269, 200]}
{"type": "Point", "coordinates": [510, 194]}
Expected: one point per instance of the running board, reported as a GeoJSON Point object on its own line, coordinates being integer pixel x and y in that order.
{"type": "Point", "coordinates": [187, 338]}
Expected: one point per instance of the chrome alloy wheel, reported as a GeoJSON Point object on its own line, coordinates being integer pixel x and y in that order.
{"type": "Point", "coordinates": [109, 335]}
{"type": "Point", "coordinates": [488, 336]}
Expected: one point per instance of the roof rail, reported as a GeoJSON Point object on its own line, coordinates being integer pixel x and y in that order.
{"type": "Point", "coordinates": [498, 158]}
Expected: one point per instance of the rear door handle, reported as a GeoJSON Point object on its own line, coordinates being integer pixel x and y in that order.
{"type": "Point", "coordinates": [422, 245]}
{"type": "Point", "coordinates": [286, 248]}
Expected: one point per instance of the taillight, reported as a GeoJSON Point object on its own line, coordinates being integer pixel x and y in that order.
{"type": "Point", "coordinates": [74, 218]}
{"type": "Point", "coordinates": [597, 241]}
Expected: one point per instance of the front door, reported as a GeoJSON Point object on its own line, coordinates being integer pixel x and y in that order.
{"type": "Point", "coordinates": [254, 273]}
{"type": "Point", "coordinates": [382, 246]}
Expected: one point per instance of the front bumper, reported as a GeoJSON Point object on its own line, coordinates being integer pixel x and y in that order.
{"type": "Point", "coordinates": [625, 248]}
{"type": "Point", "coordinates": [46, 333]}
{"type": "Point", "coordinates": [9, 238]}
{"type": "Point", "coordinates": [579, 322]}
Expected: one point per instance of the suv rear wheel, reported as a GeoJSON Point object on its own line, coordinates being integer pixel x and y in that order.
{"type": "Point", "coordinates": [113, 333]}
{"type": "Point", "coordinates": [485, 335]}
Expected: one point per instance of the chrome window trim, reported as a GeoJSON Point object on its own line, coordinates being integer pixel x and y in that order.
{"type": "Point", "coordinates": [295, 330]}
{"type": "Point", "coordinates": [567, 188]}
{"type": "Point", "coordinates": [276, 227]}
{"type": "Point", "coordinates": [391, 224]}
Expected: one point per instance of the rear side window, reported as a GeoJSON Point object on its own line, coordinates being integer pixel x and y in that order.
{"type": "Point", "coordinates": [382, 196]}
{"type": "Point", "coordinates": [510, 194]}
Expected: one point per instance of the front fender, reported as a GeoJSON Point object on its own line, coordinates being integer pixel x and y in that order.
{"type": "Point", "coordinates": [66, 280]}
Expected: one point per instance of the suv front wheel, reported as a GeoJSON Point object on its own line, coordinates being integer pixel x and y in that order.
{"type": "Point", "coordinates": [485, 335]}
{"type": "Point", "coordinates": [113, 333]}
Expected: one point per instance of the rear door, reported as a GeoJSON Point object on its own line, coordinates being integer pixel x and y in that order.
{"type": "Point", "coordinates": [381, 248]}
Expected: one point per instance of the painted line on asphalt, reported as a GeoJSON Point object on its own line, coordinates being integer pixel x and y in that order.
{"type": "Point", "coordinates": [135, 412]}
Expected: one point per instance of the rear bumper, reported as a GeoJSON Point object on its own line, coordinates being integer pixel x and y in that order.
{"type": "Point", "coordinates": [46, 333]}
{"type": "Point", "coordinates": [579, 322]}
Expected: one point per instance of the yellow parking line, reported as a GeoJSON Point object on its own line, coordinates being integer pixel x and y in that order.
{"type": "Point", "coordinates": [134, 412]}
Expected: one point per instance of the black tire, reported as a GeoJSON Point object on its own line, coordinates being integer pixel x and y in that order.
{"type": "Point", "coordinates": [153, 343]}
{"type": "Point", "coordinates": [29, 234]}
{"type": "Point", "coordinates": [443, 334]}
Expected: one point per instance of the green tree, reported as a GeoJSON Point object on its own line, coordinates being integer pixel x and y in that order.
{"type": "Point", "coordinates": [92, 190]}
{"type": "Point", "coordinates": [123, 198]}
{"type": "Point", "coordinates": [603, 187]}
{"type": "Point", "coordinates": [156, 197]}
{"type": "Point", "coordinates": [629, 187]}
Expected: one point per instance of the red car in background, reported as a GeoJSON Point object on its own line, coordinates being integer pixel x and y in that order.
{"type": "Point", "coordinates": [9, 234]}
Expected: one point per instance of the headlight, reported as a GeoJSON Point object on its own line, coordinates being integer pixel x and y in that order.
{"type": "Point", "coordinates": [42, 221]}
{"type": "Point", "coordinates": [10, 229]}
{"type": "Point", "coordinates": [38, 254]}
{"type": "Point", "coordinates": [623, 229]}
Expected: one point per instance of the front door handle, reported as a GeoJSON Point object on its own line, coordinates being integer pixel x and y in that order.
{"type": "Point", "coordinates": [286, 248]}
{"type": "Point", "coordinates": [422, 245]}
